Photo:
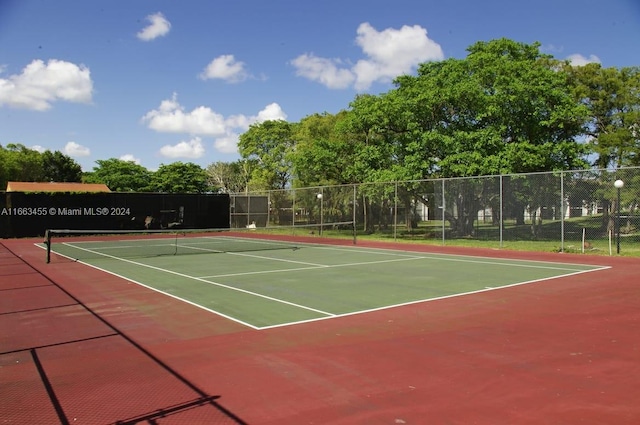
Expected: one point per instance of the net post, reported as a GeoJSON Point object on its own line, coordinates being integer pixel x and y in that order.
{"type": "Point", "coordinates": [47, 243]}
{"type": "Point", "coordinates": [353, 211]}
{"type": "Point", "coordinates": [355, 232]}
{"type": "Point", "coordinates": [175, 241]}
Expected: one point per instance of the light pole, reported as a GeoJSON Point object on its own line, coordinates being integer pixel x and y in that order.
{"type": "Point", "coordinates": [320, 196]}
{"type": "Point", "coordinates": [618, 184]}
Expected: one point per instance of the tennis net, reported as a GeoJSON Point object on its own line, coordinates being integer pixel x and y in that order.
{"type": "Point", "coordinates": [86, 244]}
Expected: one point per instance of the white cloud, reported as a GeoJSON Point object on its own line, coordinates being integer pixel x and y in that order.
{"type": "Point", "coordinates": [579, 60]}
{"type": "Point", "coordinates": [392, 52]}
{"type": "Point", "coordinates": [171, 117]}
{"type": "Point", "coordinates": [389, 54]}
{"type": "Point", "coordinates": [226, 68]}
{"type": "Point", "coordinates": [325, 71]}
{"type": "Point", "coordinates": [129, 157]}
{"type": "Point", "coordinates": [158, 26]}
{"type": "Point", "coordinates": [191, 149]}
{"type": "Point", "coordinates": [38, 148]}
{"type": "Point", "coordinates": [271, 112]}
{"type": "Point", "coordinates": [74, 149]}
{"type": "Point", "coordinates": [40, 84]}
{"type": "Point", "coordinates": [227, 144]}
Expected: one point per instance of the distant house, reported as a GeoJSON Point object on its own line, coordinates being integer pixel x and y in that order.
{"type": "Point", "coordinates": [41, 187]}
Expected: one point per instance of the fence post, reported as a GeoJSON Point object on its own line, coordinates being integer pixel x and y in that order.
{"type": "Point", "coordinates": [268, 208]}
{"type": "Point", "coordinates": [443, 209]}
{"type": "Point", "coordinates": [562, 212]}
{"type": "Point", "coordinates": [395, 212]}
{"type": "Point", "coordinates": [355, 229]}
{"type": "Point", "coordinates": [501, 222]}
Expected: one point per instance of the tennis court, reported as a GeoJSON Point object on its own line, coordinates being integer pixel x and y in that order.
{"type": "Point", "coordinates": [309, 329]}
{"type": "Point", "coordinates": [265, 283]}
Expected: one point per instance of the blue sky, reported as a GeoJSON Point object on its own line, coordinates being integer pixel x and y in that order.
{"type": "Point", "coordinates": [158, 81]}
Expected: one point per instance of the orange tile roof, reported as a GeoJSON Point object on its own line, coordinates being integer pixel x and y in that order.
{"type": "Point", "coordinates": [56, 187]}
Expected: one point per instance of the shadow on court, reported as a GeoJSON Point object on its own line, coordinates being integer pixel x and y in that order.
{"type": "Point", "coordinates": [61, 362]}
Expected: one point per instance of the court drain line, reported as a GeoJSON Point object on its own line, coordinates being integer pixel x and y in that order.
{"type": "Point", "coordinates": [29, 310]}
{"type": "Point", "coordinates": [58, 344]}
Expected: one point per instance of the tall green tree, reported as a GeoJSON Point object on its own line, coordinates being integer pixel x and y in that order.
{"type": "Point", "coordinates": [20, 163]}
{"type": "Point", "coordinates": [612, 97]}
{"type": "Point", "coordinates": [504, 109]}
{"type": "Point", "coordinates": [270, 144]}
{"type": "Point", "coordinates": [120, 175]}
{"type": "Point", "coordinates": [368, 129]}
{"type": "Point", "coordinates": [180, 177]}
{"type": "Point", "coordinates": [230, 177]}
{"type": "Point", "coordinates": [370, 153]}
{"type": "Point", "coordinates": [322, 155]}
{"type": "Point", "coordinates": [58, 167]}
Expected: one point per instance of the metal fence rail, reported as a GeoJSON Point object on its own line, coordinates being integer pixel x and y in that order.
{"type": "Point", "coordinates": [579, 211]}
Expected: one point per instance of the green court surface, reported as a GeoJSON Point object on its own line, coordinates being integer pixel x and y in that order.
{"type": "Point", "coordinates": [264, 286]}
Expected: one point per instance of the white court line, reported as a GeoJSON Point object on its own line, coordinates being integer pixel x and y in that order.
{"type": "Point", "coordinates": [373, 250]}
{"type": "Point", "coordinates": [456, 257]}
{"type": "Point", "coordinates": [443, 257]}
{"type": "Point", "coordinates": [534, 264]}
{"type": "Point", "coordinates": [205, 281]}
{"type": "Point", "coordinates": [117, 247]}
{"type": "Point", "coordinates": [364, 263]}
{"type": "Point", "coordinates": [386, 307]}
{"type": "Point", "coordinates": [406, 257]}
{"type": "Point", "coordinates": [467, 259]}
{"type": "Point", "coordinates": [243, 254]}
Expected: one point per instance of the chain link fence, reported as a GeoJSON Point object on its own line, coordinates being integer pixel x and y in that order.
{"type": "Point", "coordinates": [569, 211]}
